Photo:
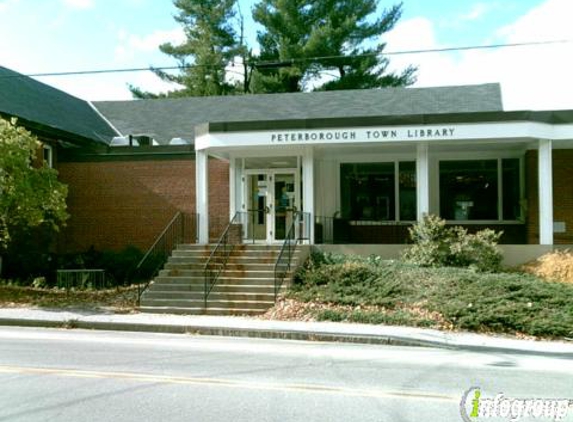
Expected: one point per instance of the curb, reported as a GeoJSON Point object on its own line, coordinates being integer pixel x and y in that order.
{"type": "Point", "coordinates": [225, 332]}
{"type": "Point", "coordinates": [278, 334]}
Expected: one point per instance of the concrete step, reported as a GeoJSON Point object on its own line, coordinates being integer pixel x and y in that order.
{"type": "Point", "coordinates": [200, 281]}
{"type": "Point", "coordinates": [200, 311]}
{"type": "Point", "coordinates": [227, 272]}
{"type": "Point", "coordinates": [216, 303]}
{"type": "Point", "coordinates": [199, 288]}
{"type": "Point", "coordinates": [215, 296]}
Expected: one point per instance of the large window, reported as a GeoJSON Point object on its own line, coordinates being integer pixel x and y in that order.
{"type": "Point", "coordinates": [370, 191]}
{"type": "Point", "coordinates": [474, 190]}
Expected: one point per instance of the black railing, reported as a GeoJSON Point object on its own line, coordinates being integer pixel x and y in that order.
{"type": "Point", "coordinates": [232, 235]}
{"type": "Point", "coordinates": [299, 230]}
{"type": "Point", "coordinates": [181, 229]}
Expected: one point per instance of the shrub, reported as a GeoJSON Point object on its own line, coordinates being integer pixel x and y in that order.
{"type": "Point", "coordinates": [118, 266]}
{"type": "Point", "coordinates": [436, 245]}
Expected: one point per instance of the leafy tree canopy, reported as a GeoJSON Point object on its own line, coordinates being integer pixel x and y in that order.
{"type": "Point", "coordinates": [30, 196]}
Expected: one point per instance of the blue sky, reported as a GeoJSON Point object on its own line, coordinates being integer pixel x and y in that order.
{"type": "Point", "coordinates": [61, 35]}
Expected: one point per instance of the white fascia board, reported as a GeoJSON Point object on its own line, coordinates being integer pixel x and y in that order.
{"type": "Point", "coordinates": [388, 134]}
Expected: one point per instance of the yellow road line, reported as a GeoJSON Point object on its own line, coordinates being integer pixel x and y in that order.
{"type": "Point", "coordinates": [230, 383]}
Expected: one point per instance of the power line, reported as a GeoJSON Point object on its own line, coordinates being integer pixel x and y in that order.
{"type": "Point", "coordinates": [271, 64]}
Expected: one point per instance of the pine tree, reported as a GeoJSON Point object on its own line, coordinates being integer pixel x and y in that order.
{"type": "Point", "coordinates": [210, 47]}
{"type": "Point", "coordinates": [305, 39]}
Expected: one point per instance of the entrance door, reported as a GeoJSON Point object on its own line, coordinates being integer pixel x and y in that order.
{"type": "Point", "coordinates": [258, 208]}
{"type": "Point", "coordinates": [285, 203]}
{"type": "Point", "coordinates": [272, 198]}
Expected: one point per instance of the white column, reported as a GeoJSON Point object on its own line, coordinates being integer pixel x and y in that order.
{"type": "Point", "coordinates": [202, 194]}
{"type": "Point", "coordinates": [422, 180]}
{"type": "Point", "coordinates": [232, 188]}
{"type": "Point", "coordinates": [545, 170]}
{"type": "Point", "coordinates": [308, 187]}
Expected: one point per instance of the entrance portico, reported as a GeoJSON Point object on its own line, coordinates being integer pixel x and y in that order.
{"type": "Point", "coordinates": [379, 174]}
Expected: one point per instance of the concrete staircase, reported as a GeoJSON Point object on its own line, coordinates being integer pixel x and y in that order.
{"type": "Point", "coordinates": [245, 287]}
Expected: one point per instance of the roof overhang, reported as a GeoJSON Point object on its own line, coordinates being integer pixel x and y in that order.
{"type": "Point", "coordinates": [449, 128]}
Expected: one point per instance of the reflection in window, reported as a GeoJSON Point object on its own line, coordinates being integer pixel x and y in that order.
{"type": "Point", "coordinates": [468, 190]}
{"type": "Point", "coordinates": [367, 191]}
{"type": "Point", "coordinates": [407, 183]}
{"type": "Point", "coordinates": [511, 188]}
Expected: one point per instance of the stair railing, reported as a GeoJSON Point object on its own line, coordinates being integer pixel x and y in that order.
{"type": "Point", "coordinates": [182, 228]}
{"type": "Point", "coordinates": [220, 255]}
{"type": "Point", "coordinates": [299, 230]}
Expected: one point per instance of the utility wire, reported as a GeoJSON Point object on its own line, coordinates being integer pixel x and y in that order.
{"type": "Point", "coordinates": [273, 64]}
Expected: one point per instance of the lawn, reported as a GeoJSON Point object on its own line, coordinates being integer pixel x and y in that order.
{"type": "Point", "coordinates": [371, 290]}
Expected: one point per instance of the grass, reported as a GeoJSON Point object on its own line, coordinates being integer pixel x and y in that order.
{"type": "Point", "coordinates": [390, 292]}
{"type": "Point", "coordinates": [121, 299]}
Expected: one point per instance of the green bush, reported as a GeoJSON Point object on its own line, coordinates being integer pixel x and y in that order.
{"type": "Point", "coordinates": [436, 245]}
{"type": "Point", "coordinates": [394, 292]}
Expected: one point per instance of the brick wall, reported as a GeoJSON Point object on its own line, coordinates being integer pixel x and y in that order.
{"type": "Point", "coordinates": [562, 195]}
{"type": "Point", "coordinates": [118, 203]}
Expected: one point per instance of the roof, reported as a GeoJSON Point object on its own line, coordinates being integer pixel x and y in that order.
{"type": "Point", "coordinates": [165, 119]}
{"type": "Point", "coordinates": [50, 109]}
{"type": "Point", "coordinates": [553, 117]}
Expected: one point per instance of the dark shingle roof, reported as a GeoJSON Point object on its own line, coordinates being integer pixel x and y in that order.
{"type": "Point", "coordinates": [41, 104]}
{"type": "Point", "coordinates": [165, 119]}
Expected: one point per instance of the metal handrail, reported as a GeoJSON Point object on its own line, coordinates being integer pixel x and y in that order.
{"type": "Point", "coordinates": [284, 259]}
{"type": "Point", "coordinates": [224, 247]}
{"type": "Point", "coordinates": [172, 235]}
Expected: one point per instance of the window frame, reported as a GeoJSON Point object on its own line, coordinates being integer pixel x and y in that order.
{"type": "Point", "coordinates": [396, 172]}
{"type": "Point", "coordinates": [49, 150]}
{"type": "Point", "coordinates": [499, 161]}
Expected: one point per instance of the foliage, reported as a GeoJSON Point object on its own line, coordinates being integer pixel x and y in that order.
{"type": "Point", "coordinates": [309, 38]}
{"type": "Point", "coordinates": [27, 265]}
{"type": "Point", "coordinates": [445, 297]}
{"type": "Point", "coordinates": [301, 42]}
{"type": "Point", "coordinates": [30, 197]}
{"type": "Point", "coordinates": [210, 46]}
{"type": "Point", "coordinates": [437, 245]}
{"type": "Point", "coordinates": [118, 266]}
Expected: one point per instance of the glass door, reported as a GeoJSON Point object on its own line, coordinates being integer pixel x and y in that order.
{"type": "Point", "coordinates": [257, 207]}
{"type": "Point", "coordinates": [270, 201]}
{"type": "Point", "coordinates": [285, 201]}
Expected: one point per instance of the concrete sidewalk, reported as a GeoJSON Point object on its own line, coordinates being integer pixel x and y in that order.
{"type": "Point", "coordinates": [294, 330]}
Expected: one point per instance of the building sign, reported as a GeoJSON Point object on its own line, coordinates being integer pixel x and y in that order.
{"type": "Point", "coordinates": [326, 136]}
{"type": "Point", "coordinates": [387, 134]}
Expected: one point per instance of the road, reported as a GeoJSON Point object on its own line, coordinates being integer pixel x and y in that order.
{"type": "Point", "coordinates": [75, 375]}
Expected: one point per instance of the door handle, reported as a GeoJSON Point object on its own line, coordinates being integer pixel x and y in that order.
{"type": "Point", "coordinates": [267, 209]}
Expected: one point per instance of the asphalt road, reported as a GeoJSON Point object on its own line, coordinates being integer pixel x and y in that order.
{"type": "Point", "coordinates": [59, 375]}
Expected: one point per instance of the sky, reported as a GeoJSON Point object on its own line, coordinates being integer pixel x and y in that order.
{"type": "Point", "coordinates": [41, 36]}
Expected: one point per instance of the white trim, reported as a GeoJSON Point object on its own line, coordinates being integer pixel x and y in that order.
{"type": "Point", "coordinates": [453, 133]}
{"type": "Point", "coordinates": [105, 119]}
{"type": "Point", "coordinates": [422, 180]}
{"type": "Point", "coordinates": [308, 188]}
{"type": "Point", "coordinates": [202, 194]}
{"type": "Point", "coordinates": [232, 191]}
{"type": "Point", "coordinates": [545, 180]}
{"type": "Point", "coordinates": [50, 160]}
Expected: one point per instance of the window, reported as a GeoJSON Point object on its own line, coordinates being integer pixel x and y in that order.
{"type": "Point", "coordinates": [407, 184]}
{"type": "Point", "coordinates": [370, 191]}
{"type": "Point", "coordinates": [470, 189]}
{"type": "Point", "coordinates": [48, 155]}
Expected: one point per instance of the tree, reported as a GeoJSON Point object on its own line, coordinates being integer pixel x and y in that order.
{"type": "Point", "coordinates": [210, 47]}
{"type": "Point", "coordinates": [304, 40]}
{"type": "Point", "coordinates": [30, 197]}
